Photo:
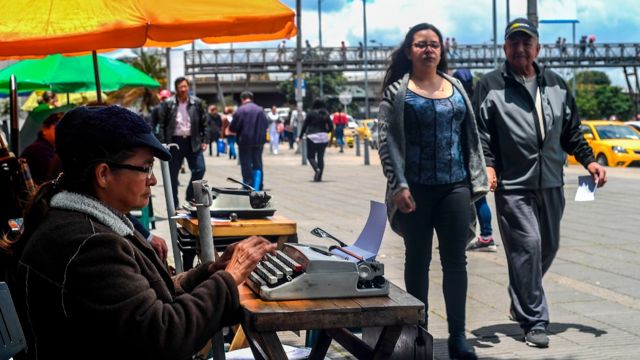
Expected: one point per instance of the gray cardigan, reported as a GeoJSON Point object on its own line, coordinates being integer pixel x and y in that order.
{"type": "Point", "coordinates": [393, 144]}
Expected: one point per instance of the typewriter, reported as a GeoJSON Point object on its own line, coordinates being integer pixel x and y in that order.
{"type": "Point", "coordinates": [301, 271]}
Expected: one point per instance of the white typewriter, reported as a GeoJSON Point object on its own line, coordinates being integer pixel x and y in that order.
{"type": "Point", "coordinates": [308, 272]}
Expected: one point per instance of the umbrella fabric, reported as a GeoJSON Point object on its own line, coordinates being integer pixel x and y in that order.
{"type": "Point", "coordinates": [74, 98]}
{"type": "Point", "coordinates": [33, 123]}
{"type": "Point", "coordinates": [63, 74]}
{"type": "Point", "coordinates": [70, 26]}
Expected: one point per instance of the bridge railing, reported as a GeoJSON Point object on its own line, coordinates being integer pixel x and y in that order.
{"type": "Point", "coordinates": [261, 60]}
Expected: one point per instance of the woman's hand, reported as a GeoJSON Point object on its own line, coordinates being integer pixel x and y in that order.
{"type": "Point", "coordinates": [404, 201]}
{"type": "Point", "coordinates": [245, 256]}
{"type": "Point", "coordinates": [493, 179]}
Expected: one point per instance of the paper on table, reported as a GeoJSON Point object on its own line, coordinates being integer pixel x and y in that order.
{"type": "Point", "coordinates": [586, 189]}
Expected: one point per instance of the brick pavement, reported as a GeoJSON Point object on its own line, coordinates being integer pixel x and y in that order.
{"type": "Point", "coordinates": [593, 286]}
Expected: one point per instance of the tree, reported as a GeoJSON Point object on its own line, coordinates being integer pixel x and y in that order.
{"type": "Point", "coordinates": [150, 63]}
{"type": "Point", "coordinates": [332, 82]}
{"type": "Point", "coordinates": [596, 98]}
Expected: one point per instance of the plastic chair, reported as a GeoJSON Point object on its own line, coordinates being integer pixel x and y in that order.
{"type": "Point", "coordinates": [12, 339]}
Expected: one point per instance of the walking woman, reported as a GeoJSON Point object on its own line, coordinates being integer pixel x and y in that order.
{"type": "Point", "coordinates": [231, 137]}
{"type": "Point", "coordinates": [317, 126]}
{"type": "Point", "coordinates": [432, 158]}
{"type": "Point", "coordinates": [86, 282]}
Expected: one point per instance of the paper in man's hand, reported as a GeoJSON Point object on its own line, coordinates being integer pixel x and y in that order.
{"type": "Point", "coordinates": [586, 188]}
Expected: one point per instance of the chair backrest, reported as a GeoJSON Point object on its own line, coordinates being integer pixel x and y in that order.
{"type": "Point", "coordinates": [12, 339]}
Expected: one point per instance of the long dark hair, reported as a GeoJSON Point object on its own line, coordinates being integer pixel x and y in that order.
{"type": "Point", "coordinates": [400, 63]}
{"type": "Point", "coordinates": [77, 177]}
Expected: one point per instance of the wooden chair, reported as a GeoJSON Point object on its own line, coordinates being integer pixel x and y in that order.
{"type": "Point", "coordinates": [12, 339]}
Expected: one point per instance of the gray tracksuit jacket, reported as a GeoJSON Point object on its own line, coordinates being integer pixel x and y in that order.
{"type": "Point", "coordinates": [510, 130]}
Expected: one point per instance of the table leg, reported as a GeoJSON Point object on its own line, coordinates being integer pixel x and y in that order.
{"type": "Point", "coordinates": [239, 340]}
{"type": "Point", "coordinates": [265, 345]}
{"type": "Point", "coordinates": [387, 342]}
{"type": "Point", "coordinates": [320, 348]}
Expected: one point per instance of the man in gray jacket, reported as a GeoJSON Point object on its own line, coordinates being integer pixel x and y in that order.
{"type": "Point", "coordinates": [527, 120]}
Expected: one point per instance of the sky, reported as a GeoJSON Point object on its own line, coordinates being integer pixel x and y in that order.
{"type": "Point", "coordinates": [469, 21]}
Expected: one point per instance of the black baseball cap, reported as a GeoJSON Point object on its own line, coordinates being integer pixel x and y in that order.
{"type": "Point", "coordinates": [521, 24]}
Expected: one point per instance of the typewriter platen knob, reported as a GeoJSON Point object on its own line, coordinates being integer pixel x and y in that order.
{"type": "Point", "coordinates": [368, 270]}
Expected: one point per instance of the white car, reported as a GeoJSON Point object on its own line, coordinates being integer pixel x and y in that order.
{"type": "Point", "coordinates": [634, 124]}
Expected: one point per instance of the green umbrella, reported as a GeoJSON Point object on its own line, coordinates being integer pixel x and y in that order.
{"type": "Point", "coordinates": [64, 74]}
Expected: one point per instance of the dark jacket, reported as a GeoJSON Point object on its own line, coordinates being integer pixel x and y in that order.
{"type": "Point", "coordinates": [318, 120]}
{"type": "Point", "coordinates": [250, 125]}
{"type": "Point", "coordinates": [166, 120]}
{"type": "Point", "coordinates": [40, 155]}
{"type": "Point", "coordinates": [393, 145]}
{"type": "Point", "coordinates": [215, 126]}
{"type": "Point", "coordinates": [510, 131]}
{"type": "Point", "coordinates": [93, 286]}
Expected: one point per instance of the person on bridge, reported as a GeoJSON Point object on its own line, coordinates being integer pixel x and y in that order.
{"type": "Point", "coordinates": [527, 120]}
{"type": "Point", "coordinates": [431, 156]}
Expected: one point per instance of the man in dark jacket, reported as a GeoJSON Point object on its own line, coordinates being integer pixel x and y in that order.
{"type": "Point", "coordinates": [182, 120]}
{"type": "Point", "coordinates": [527, 120]}
{"type": "Point", "coordinates": [250, 125]}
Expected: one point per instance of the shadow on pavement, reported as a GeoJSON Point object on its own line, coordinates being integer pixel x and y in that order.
{"type": "Point", "coordinates": [488, 335]}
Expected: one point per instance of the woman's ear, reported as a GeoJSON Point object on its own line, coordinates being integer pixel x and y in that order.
{"type": "Point", "coordinates": [102, 173]}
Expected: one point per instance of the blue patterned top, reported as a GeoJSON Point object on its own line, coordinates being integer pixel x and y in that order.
{"type": "Point", "coordinates": [433, 129]}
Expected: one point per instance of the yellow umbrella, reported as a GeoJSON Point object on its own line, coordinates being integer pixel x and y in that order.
{"type": "Point", "coordinates": [42, 27]}
{"type": "Point", "coordinates": [74, 98]}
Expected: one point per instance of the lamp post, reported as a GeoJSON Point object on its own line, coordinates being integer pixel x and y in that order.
{"type": "Point", "coordinates": [320, 43]}
{"type": "Point", "coordinates": [366, 75]}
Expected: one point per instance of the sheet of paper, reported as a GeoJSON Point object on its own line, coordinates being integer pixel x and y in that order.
{"type": "Point", "coordinates": [586, 188]}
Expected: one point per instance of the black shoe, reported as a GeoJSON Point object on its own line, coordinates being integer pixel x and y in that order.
{"type": "Point", "coordinates": [459, 349]}
{"type": "Point", "coordinates": [537, 338]}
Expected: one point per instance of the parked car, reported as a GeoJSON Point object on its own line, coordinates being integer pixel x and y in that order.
{"type": "Point", "coordinates": [369, 129]}
{"type": "Point", "coordinates": [613, 142]}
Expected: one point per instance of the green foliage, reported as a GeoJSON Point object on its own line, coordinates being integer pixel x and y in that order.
{"type": "Point", "coordinates": [592, 78]}
{"type": "Point", "coordinates": [332, 83]}
{"type": "Point", "coordinates": [596, 98]}
{"type": "Point", "coordinates": [150, 63]}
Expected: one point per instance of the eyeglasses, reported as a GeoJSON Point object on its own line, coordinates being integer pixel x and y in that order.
{"type": "Point", "coordinates": [424, 44]}
{"type": "Point", "coordinates": [147, 170]}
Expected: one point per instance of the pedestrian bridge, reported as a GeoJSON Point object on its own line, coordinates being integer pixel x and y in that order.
{"type": "Point", "coordinates": [328, 59]}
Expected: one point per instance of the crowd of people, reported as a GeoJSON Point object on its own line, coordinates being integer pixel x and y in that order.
{"type": "Point", "coordinates": [82, 269]}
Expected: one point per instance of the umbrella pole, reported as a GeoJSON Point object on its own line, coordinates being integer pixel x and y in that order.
{"type": "Point", "coordinates": [96, 73]}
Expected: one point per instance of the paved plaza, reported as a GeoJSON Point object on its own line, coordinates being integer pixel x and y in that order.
{"type": "Point", "coordinates": [593, 286]}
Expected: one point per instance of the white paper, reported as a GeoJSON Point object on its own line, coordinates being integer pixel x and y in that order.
{"type": "Point", "coordinates": [586, 188]}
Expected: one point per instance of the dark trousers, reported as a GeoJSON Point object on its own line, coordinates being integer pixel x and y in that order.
{"type": "Point", "coordinates": [250, 160]}
{"type": "Point", "coordinates": [195, 159]}
{"type": "Point", "coordinates": [529, 222]}
{"type": "Point", "coordinates": [315, 154]}
{"type": "Point", "coordinates": [444, 208]}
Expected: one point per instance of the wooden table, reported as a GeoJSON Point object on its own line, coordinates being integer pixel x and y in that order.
{"type": "Point", "coordinates": [332, 317]}
{"type": "Point", "coordinates": [276, 225]}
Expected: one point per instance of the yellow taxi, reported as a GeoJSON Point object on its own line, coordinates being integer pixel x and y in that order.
{"type": "Point", "coordinates": [613, 143]}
